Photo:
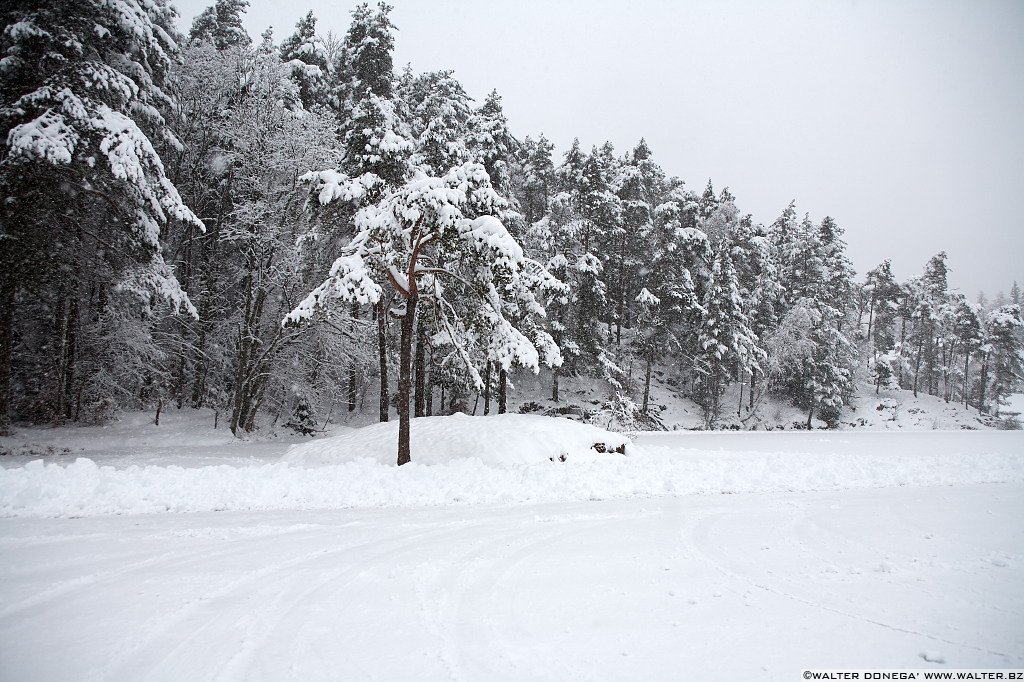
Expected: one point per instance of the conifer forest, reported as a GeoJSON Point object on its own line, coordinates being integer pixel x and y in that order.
{"type": "Point", "coordinates": [289, 228]}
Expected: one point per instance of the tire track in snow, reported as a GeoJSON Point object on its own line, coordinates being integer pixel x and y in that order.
{"type": "Point", "coordinates": [256, 625]}
{"type": "Point", "coordinates": [173, 558]}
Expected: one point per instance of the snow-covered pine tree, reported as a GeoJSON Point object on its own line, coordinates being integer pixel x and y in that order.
{"type": "Point", "coordinates": [883, 302]}
{"type": "Point", "coordinates": [403, 241]}
{"type": "Point", "coordinates": [304, 53]}
{"type": "Point", "coordinates": [650, 335]}
{"type": "Point", "coordinates": [376, 140]}
{"type": "Point", "coordinates": [836, 271]}
{"type": "Point", "coordinates": [966, 338]}
{"type": "Point", "coordinates": [640, 186]}
{"type": "Point", "coordinates": [568, 236]}
{"type": "Point", "coordinates": [811, 361]}
{"type": "Point", "coordinates": [492, 144]}
{"type": "Point", "coordinates": [221, 24]}
{"type": "Point", "coordinates": [1003, 349]}
{"type": "Point", "coordinates": [925, 305]}
{"type": "Point", "coordinates": [82, 103]}
{"type": "Point", "coordinates": [759, 287]}
{"type": "Point", "coordinates": [727, 348]}
{"type": "Point", "coordinates": [537, 183]}
{"type": "Point", "coordinates": [302, 420]}
{"type": "Point", "coordinates": [680, 271]}
{"type": "Point", "coordinates": [441, 111]}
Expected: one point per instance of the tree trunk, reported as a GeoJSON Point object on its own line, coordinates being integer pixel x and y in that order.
{"type": "Point", "coordinates": [810, 415]}
{"type": "Point", "coordinates": [159, 406]}
{"type": "Point", "coordinates": [967, 364]}
{"type": "Point", "coordinates": [739, 408]}
{"type": "Point", "coordinates": [502, 390]}
{"type": "Point", "coordinates": [405, 380]}
{"type": "Point", "coordinates": [871, 315]}
{"type": "Point", "coordinates": [917, 365]}
{"type": "Point", "coordinates": [60, 361]}
{"type": "Point", "coordinates": [984, 383]}
{"type": "Point", "coordinates": [487, 388]}
{"type": "Point", "coordinates": [647, 384]}
{"type": "Point", "coordinates": [6, 354]}
{"type": "Point", "coordinates": [554, 384]}
{"type": "Point", "coordinates": [753, 378]}
{"type": "Point", "coordinates": [382, 353]}
{"type": "Point", "coordinates": [72, 354]}
{"type": "Point", "coordinates": [618, 317]}
{"type": "Point", "coordinates": [353, 373]}
{"type": "Point", "coordinates": [430, 384]}
{"type": "Point", "coordinates": [421, 371]}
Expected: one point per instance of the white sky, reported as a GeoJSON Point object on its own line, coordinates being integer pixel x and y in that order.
{"type": "Point", "coordinates": [902, 120]}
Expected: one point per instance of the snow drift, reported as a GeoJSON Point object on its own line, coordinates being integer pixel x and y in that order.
{"type": "Point", "coordinates": [657, 465]}
{"type": "Point", "coordinates": [497, 440]}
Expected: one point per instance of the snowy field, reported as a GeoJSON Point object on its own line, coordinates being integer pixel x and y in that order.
{"type": "Point", "coordinates": [841, 550]}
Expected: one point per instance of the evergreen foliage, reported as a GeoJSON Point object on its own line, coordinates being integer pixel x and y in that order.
{"type": "Point", "coordinates": [391, 220]}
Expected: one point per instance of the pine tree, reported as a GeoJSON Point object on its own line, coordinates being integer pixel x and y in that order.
{"type": "Point", "coordinates": [1003, 346]}
{"type": "Point", "coordinates": [305, 54]}
{"type": "Point", "coordinates": [640, 187]}
{"type": "Point", "coordinates": [440, 111]}
{"type": "Point", "coordinates": [221, 24]}
{"type": "Point", "coordinates": [492, 144]}
{"type": "Point", "coordinates": [82, 102]}
{"type": "Point", "coordinates": [837, 271]}
{"type": "Point", "coordinates": [538, 177]}
{"type": "Point", "coordinates": [302, 420]}
{"type": "Point", "coordinates": [811, 361]}
{"type": "Point", "coordinates": [375, 138]}
{"type": "Point", "coordinates": [727, 347]}
{"type": "Point", "coordinates": [403, 240]}
{"type": "Point", "coordinates": [967, 336]}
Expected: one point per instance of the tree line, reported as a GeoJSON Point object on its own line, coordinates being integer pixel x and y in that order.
{"type": "Point", "coordinates": [272, 228]}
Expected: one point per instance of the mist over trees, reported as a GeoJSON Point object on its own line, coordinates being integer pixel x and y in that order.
{"type": "Point", "coordinates": [273, 228]}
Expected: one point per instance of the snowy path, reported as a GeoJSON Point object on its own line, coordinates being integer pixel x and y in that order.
{"type": "Point", "coordinates": [697, 587]}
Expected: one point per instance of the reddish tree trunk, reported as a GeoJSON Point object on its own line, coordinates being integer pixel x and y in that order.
{"type": "Point", "coordinates": [502, 389]}
{"type": "Point", "coordinates": [382, 352]}
{"type": "Point", "coordinates": [405, 380]}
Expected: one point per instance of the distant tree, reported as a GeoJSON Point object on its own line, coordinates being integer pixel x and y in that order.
{"type": "Point", "coordinates": [491, 143]}
{"type": "Point", "coordinates": [304, 53]}
{"type": "Point", "coordinates": [727, 347]}
{"type": "Point", "coordinates": [1004, 347]}
{"type": "Point", "coordinates": [811, 360]}
{"type": "Point", "coordinates": [221, 24]}
{"type": "Point", "coordinates": [967, 336]}
{"type": "Point", "coordinates": [538, 177]}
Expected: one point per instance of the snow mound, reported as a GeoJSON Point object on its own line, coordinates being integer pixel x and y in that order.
{"type": "Point", "coordinates": [502, 439]}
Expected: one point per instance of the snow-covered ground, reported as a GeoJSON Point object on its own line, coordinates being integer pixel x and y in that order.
{"type": "Point", "coordinates": [830, 550]}
{"type": "Point", "coordinates": [750, 586]}
{"type": "Point", "coordinates": [657, 464]}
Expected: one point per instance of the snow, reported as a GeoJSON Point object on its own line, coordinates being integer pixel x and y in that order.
{"type": "Point", "coordinates": [753, 586]}
{"type": "Point", "coordinates": [483, 559]}
{"type": "Point", "coordinates": [494, 460]}
{"type": "Point", "coordinates": [498, 440]}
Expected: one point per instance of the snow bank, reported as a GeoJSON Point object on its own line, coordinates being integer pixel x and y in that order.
{"type": "Point", "coordinates": [499, 439]}
{"type": "Point", "coordinates": [82, 488]}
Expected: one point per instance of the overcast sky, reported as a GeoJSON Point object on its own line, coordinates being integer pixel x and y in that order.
{"type": "Point", "coordinates": [902, 120]}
